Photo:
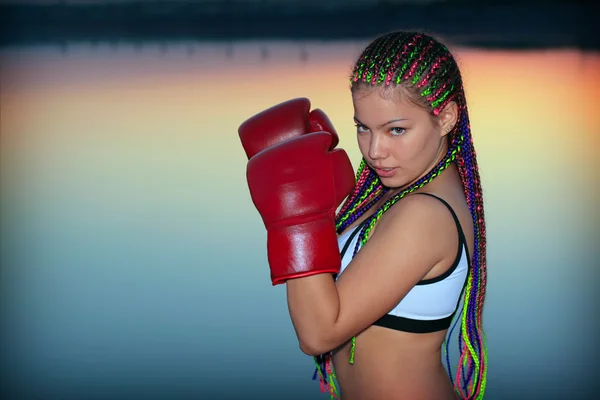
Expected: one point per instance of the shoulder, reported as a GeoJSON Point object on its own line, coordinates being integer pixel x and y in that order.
{"type": "Point", "coordinates": [418, 215]}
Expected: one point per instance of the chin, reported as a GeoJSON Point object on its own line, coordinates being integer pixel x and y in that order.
{"type": "Point", "coordinates": [394, 182]}
{"type": "Point", "coordinates": [398, 180]}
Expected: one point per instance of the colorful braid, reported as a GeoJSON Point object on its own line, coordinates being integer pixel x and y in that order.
{"type": "Point", "coordinates": [423, 65]}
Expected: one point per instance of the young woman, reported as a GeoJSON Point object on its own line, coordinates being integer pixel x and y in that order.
{"type": "Point", "coordinates": [411, 231]}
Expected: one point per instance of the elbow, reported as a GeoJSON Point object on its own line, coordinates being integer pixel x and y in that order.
{"type": "Point", "coordinates": [310, 351]}
{"type": "Point", "coordinates": [314, 347]}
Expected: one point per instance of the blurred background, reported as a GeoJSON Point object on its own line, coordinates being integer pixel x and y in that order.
{"type": "Point", "coordinates": [133, 261]}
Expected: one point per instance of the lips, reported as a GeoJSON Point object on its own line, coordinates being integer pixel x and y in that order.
{"type": "Point", "coordinates": [385, 172]}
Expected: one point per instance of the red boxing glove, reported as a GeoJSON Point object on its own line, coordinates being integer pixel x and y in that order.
{"type": "Point", "coordinates": [282, 122]}
{"type": "Point", "coordinates": [296, 187]}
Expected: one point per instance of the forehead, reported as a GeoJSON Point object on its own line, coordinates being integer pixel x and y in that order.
{"type": "Point", "coordinates": [385, 103]}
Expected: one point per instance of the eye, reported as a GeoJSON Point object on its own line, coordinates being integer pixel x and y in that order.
{"type": "Point", "coordinates": [397, 131]}
{"type": "Point", "coordinates": [361, 128]}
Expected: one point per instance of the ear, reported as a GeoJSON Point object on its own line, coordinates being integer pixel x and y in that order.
{"type": "Point", "coordinates": [448, 118]}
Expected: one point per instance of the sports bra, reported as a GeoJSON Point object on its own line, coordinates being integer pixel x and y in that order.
{"type": "Point", "coordinates": [431, 304]}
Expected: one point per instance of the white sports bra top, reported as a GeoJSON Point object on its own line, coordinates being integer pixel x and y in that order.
{"type": "Point", "coordinates": [431, 303]}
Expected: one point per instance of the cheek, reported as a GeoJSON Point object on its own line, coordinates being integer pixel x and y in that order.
{"type": "Point", "coordinates": [409, 148]}
{"type": "Point", "coordinates": [413, 149]}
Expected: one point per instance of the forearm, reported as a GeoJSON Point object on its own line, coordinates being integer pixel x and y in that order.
{"type": "Point", "coordinates": [314, 307]}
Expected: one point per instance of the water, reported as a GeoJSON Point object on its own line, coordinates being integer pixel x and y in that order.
{"type": "Point", "coordinates": [134, 262]}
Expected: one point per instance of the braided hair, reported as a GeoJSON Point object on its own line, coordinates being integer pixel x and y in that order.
{"type": "Point", "coordinates": [429, 75]}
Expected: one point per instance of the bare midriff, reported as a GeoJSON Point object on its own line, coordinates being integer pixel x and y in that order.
{"type": "Point", "coordinates": [393, 365]}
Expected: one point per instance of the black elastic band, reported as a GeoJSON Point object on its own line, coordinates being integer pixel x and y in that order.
{"type": "Point", "coordinates": [356, 230]}
{"type": "Point", "coordinates": [414, 325]}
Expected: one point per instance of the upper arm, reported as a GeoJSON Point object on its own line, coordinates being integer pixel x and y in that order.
{"type": "Point", "coordinates": [410, 239]}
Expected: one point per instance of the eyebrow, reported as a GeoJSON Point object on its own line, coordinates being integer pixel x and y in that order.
{"type": "Point", "coordinates": [382, 125]}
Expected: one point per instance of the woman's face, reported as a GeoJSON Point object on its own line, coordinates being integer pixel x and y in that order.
{"type": "Point", "coordinates": [398, 139]}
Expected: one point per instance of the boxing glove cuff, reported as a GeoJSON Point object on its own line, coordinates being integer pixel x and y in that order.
{"type": "Point", "coordinates": [303, 249]}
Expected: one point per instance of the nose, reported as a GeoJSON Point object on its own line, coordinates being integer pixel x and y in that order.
{"type": "Point", "coordinates": [377, 147]}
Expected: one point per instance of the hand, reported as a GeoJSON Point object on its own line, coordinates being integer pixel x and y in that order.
{"type": "Point", "coordinates": [282, 122]}
{"type": "Point", "coordinates": [296, 187]}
